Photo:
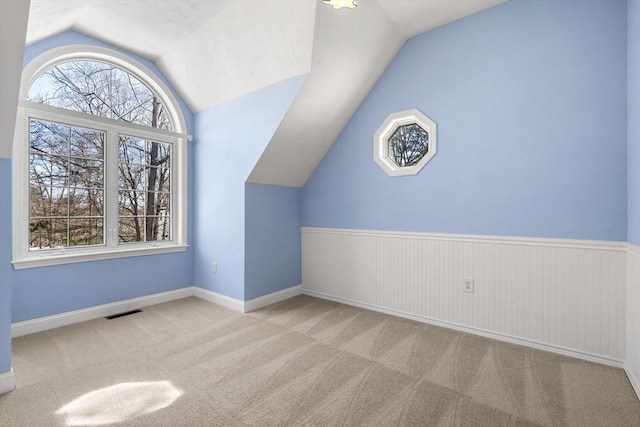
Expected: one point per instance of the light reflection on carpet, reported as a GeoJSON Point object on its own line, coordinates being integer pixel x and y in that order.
{"type": "Point", "coordinates": [119, 402]}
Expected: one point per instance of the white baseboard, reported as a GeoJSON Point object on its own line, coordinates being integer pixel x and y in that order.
{"type": "Point", "coordinates": [272, 298]}
{"type": "Point", "coordinates": [216, 298]}
{"type": "Point", "coordinates": [246, 306]}
{"type": "Point", "coordinates": [40, 324]}
{"type": "Point", "coordinates": [635, 382]}
{"type": "Point", "coordinates": [7, 382]}
{"type": "Point", "coordinates": [632, 364]}
{"type": "Point", "coordinates": [476, 331]}
{"type": "Point", "coordinates": [63, 319]}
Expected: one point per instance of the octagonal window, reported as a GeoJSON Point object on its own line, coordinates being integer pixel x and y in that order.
{"type": "Point", "coordinates": [405, 142]}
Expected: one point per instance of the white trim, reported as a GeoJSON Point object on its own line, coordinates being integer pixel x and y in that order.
{"type": "Point", "coordinates": [272, 298]}
{"type": "Point", "coordinates": [58, 114]}
{"type": "Point", "coordinates": [22, 257]}
{"type": "Point", "coordinates": [66, 256]}
{"type": "Point", "coordinates": [216, 298]}
{"type": "Point", "coordinates": [600, 245]}
{"type": "Point", "coordinates": [635, 381]}
{"type": "Point", "coordinates": [388, 128]}
{"type": "Point", "coordinates": [475, 331]}
{"type": "Point", "coordinates": [633, 298]}
{"type": "Point", "coordinates": [246, 306]}
{"type": "Point", "coordinates": [27, 327]}
{"type": "Point", "coordinates": [60, 54]}
{"type": "Point", "coordinates": [40, 324]}
{"type": "Point", "coordinates": [7, 382]}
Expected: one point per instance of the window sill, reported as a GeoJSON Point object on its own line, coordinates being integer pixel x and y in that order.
{"type": "Point", "coordinates": [69, 257]}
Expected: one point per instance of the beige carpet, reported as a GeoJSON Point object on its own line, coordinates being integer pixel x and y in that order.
{"type": "Point", "coordinates": [302, 362]}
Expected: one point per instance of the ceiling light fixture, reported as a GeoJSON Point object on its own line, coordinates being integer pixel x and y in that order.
{"type": "Point", "coordinates": [339, 4]}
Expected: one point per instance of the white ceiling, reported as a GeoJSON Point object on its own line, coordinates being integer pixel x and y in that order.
{"type": "Point", "coordinates": [216, 50]}
{"type": "Point", "coordinates": [211, 50]}
{"type": "Point", "coordinates": [413, 17]}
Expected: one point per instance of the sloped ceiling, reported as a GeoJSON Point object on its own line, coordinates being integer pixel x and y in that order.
{"type": "Point", "coordinates": [413, 17]}
{"type": "Point", "coordinates": [216, 50]}
{"type": "Point", "coordinates": [346, 64]}
{"type": "Point", "coordinates": [211, 50]}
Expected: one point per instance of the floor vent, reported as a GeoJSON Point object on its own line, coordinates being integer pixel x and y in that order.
{"type": "Point", "coordinates": [126, 313]}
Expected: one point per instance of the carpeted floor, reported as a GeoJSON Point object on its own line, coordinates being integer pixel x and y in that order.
{"type": "Point", "coordinates": [301, 362]}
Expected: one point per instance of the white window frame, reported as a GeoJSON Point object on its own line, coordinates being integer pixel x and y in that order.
{"type": "Point", "coordinates": [386, 131]}
{"type": "Point", "coordinates": [22, 257]}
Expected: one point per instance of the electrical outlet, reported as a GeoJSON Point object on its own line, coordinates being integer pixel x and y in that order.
{"type": "Point", "coordinates": [214, 267]}
{"type": "Point", "coordinates": [468, 285]}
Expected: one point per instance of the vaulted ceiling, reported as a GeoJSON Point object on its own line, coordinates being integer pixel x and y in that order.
{"type": "Point", "coordinates": [216, 50]}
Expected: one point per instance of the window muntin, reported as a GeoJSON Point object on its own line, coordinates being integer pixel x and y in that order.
{"type": "Point", "coordinates": [172, 195]}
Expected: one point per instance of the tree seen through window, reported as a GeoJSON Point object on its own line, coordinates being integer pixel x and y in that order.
{"type": "Point", "coordinates": [408, 145]}
{"type": "Point", "coordinates": [67, 163]}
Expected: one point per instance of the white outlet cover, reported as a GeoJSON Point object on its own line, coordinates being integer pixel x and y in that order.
{"type": "Point", "coordinates": [468, 285]}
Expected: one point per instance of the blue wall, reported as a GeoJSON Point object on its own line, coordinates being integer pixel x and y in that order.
{"type": "Point", "coordinates": [229, 141]}
{"type": "Point", "coordinates": [38, 292]}
{"type": "Point", "coordinates": [633, 114]}
{"type": "Point", "coordinates": [530, 102]}
{"type": "Point", "coordinates": [5, 265]}
{"type": "Point", "coordinates": [45, 291]}
{"type": "Point", "coordinates": [272, 239]}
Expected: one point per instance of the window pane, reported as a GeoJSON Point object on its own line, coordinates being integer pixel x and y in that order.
{"type": "Point", "coordinates": [85, 231]}
{"type": "Point", "coordinates": [161, 156]}
{"type": "Point", "coordinates": [134, 229]}
{"type": "Point", "coordinates": [46, 171]}
{"type": "Point", "coordinates": [161, 201]}
{"type": "Point", "coordinates": [131, 203]}
{"type": "Point", "coordinates": [48, 138]}
{"type": "Point", "coordinates": [64, 188]}
{"type": "Point", "coordinates": [48, 201]}
{"type": "Point", "coordinates": [131, 229]}
{"type": "Point", "coordinates": [48, 233]}
{"type": "Point", "coordinates": [408, 144]}
{"type": "Point", "coordinates": [86, 173]}
{"type": "Point", "coordinates": [83, 202]}
{"type": "Point", "coordinates": [86, 143]}
{"type": "Point", "coordinates": [161, 226]}
{"type": "Point", "coordinates": [163, 179]}
{"type": "Point", "coordinates": [132, 177]}
{"type": "Point", "coordinates": [133, 150]}
{"type": "Point", "coordinates": [100, 89]}
{"type": "Point", "coordinates": [144, 190]}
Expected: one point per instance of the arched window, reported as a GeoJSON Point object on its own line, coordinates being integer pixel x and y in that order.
{"type": "Point", "coordinates": [100, 89]}
{"type": "Point", "coordinates": [100, 160]}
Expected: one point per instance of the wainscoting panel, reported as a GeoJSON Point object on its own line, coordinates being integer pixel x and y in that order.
{"type": "Point", "coordinates": [563, 295]}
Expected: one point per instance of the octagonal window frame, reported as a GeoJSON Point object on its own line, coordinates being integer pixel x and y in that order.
{"type": "Point", "coordinates": [386, 131]}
